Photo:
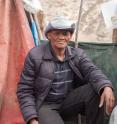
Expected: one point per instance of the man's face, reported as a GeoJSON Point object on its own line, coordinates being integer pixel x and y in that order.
{"type": "Point", "coordinates": [59, 38]}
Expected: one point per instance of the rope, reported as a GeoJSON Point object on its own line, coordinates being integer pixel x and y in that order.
{"type": "Point", "coordinates": [78, 23]}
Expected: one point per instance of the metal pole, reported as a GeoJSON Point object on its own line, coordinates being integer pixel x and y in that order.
{"type": "Point", "coordinates": [76, 40]}
{"type": "Point", "coordinates": [78, 23]}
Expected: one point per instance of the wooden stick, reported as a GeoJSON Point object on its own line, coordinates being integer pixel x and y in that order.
{"type": "Point", "coordinates": [114, 38]}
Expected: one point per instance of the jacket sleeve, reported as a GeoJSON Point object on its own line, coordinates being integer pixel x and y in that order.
{"type": "Point", "coordinates": [25, 90]}
{"type": "Point", "coordinates": [92, 74]}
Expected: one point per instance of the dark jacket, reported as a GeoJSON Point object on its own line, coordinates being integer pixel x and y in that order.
{"type": "Point", "coordinates": [38, 73]}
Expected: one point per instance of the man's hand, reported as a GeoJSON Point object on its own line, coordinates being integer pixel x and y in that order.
{"type": "Point", "coordinates": [108, 98]}
{"type": "Point", "coordinates": [34, 121]}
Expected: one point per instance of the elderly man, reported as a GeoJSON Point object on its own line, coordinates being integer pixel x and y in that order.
{"type": "Point", "coordinates": [59, 81]}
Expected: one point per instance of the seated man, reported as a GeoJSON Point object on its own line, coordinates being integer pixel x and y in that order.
{"type": "Point", "coordinates": [59, 81]}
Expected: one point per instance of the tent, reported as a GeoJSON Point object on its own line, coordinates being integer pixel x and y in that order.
{"type": "Point", "coordinates": [15, 41]}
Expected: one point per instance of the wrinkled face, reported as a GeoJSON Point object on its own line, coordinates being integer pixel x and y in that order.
{"type": "Point", "coordinates": [59, 38]}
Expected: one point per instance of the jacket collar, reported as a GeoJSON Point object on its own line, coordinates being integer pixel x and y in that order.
{"type": "Point", "coordinates": [48, 52]}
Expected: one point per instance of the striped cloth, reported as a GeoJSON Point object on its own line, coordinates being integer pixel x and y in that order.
{"type": "Point", "coordinates": [62, 83]}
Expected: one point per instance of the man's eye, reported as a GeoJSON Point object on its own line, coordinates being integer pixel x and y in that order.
{"type": "Point", "coordinates": [65, 33]}
{"type": "Point", "coordinates": [57, 33]}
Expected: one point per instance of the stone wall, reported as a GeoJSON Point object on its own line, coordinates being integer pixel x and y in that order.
{"type": "Point", "coordinates": [92, 26]}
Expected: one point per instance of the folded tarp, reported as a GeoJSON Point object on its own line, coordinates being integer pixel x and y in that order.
{"type": "Point", "coordinates": [15, 41]}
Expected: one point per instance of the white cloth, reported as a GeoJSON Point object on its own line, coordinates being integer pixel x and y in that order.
{"type": "Point", "coordinates": [113, 117]}
{"type": "Point", "coordinates": [32, 6]}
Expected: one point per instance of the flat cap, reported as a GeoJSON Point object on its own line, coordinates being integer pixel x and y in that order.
{"type": "Point", "coordinates": [60, 22]}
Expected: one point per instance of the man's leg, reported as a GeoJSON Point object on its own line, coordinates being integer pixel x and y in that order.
{"type": "Point", "coordinates": [48, 115]}
{"type": "Point", "coordinates": [84, 100]}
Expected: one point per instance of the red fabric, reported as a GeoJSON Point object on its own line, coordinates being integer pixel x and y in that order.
{"type": "Point", "coordinates": [15, 41]}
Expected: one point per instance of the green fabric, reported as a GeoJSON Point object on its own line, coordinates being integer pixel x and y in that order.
{"type": "Point", "coordinates": [105, 57]}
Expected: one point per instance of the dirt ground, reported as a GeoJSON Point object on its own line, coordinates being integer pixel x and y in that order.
{"type": "Point", "coordinates": [92, 27]}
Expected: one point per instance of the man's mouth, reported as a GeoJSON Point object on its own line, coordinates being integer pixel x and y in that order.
{"type": "Point", "coordinates": [61, 41]}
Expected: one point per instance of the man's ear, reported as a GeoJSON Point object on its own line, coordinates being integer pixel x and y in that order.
{"type": "Point", "coordinates": [48, 36]}
{"type": "Point", "coordinates": [70, 36]}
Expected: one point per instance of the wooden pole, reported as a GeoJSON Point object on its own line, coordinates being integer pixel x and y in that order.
{"type": "Point", "coordinates": [114, 38]}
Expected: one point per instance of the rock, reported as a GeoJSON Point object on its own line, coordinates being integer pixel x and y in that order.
{"type": "Point", "coordinates": [92, 26]}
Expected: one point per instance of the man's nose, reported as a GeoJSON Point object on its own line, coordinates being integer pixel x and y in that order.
{"type": "Point", "coordinates": [61, 36]}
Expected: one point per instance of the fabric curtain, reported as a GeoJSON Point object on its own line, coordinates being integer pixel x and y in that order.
{"type": "Point", "coordinates": [15, 41]}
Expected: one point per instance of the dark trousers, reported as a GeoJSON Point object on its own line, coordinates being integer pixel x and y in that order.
{"type": "Point", "coordinates": [82, 100]}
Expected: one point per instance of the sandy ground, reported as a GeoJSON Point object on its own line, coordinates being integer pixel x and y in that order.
{"type": "Point", "coordinates": [92, 27]}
